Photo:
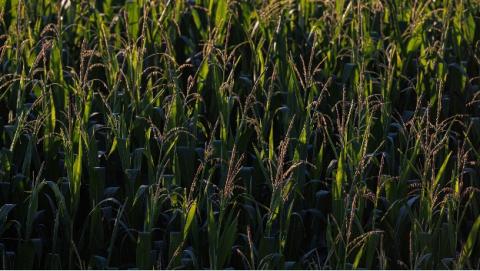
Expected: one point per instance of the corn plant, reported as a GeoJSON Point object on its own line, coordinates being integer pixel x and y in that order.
{"type": "Point", "coordinates": [239, 134]}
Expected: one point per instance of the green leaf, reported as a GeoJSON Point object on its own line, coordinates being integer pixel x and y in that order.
{"type": "Point", "coordinates": [212, 236]}
{"type": "Point", "coordinates": [414, 43]}
{"type": "Point", "coordinates": [190, 217]}
{"type": "Point", "coordinates": [358, 257]}
{"type": "Point", "coordinates": [133, 10]}
{"type": "Point", "coordinates": [337, 189]}
{"type": "Point", "coordinates": [339, 177]}
{"type": "Point", "coordinates": [221, 12]}
{"type": "Point", "coordinates": [76, 178]}
{"type": "Point", "coordinates": [469, 29]}
{"type": "Point", "coordinates": [441, 171]}
{"type": "Point", "coordinates": [469, 245]}
{"type": "Point", "coordinates": [339, 4]}
{"type": "Point", "coordinates": [227, 241]}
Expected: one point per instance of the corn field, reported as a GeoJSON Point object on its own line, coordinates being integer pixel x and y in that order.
{"type": "Point", "coordinates": [244, 134]}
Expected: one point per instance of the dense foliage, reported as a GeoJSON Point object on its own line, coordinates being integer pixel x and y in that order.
{"type": "Point", "coordinates": [244, 134]}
